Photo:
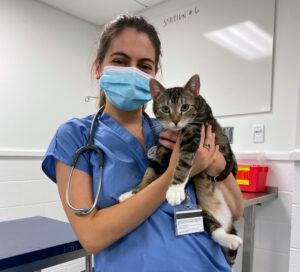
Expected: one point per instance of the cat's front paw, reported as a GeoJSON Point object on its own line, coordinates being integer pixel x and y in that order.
{"type": "Point", "coordinates": [234, 242]}
{"type": "Point", "coordinates": [125, 196]}
{"type": "Point", "coordinates": [175, 194]}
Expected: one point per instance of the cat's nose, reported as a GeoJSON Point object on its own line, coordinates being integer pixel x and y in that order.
{"type": "Point", "coordinates": [176, 122]}
{"type": "Point", "coordinates": [175, 119]}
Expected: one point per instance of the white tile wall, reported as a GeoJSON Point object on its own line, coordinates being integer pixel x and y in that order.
{"type": "Point", "coordinates": [281, 174]}
{"type": "Point", "coordinates": [278, 210]}
{"type": "Point", "coordinates": [294, 260]}
{"type": "Point", "coordinates": [296, 197]}
{"type": "Point", "coordinates": [273, 236]}
{"type": "Point", "coordinates": [20, 168]}
{"type": "Point", "coordinates": [24, 192]}
{"type": "Point", "coordinates": [297, 177]}
{"type": "Point", "coordinates": [295, 231]}
{"type": "Point", "coordinates": [266, 260]}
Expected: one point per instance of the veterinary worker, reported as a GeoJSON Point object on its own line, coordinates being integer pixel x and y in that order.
{"type": "Point", "coordinates": [137, 234]}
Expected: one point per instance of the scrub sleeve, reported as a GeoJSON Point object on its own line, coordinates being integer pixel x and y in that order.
{"type": "Point", "coordinates": [68, 138]}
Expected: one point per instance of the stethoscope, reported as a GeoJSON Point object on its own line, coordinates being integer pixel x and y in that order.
{"type": "Point", "coordinates": [90, 146]}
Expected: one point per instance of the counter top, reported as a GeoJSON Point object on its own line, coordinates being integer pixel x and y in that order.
{"type": "Point", "coordinates": [251, 199]}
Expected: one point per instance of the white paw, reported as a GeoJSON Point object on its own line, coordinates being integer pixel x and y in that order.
{"type": "Point", "coordinates": [125, 196]}
{"type": "Point", "coordinates": [175, 194]}
{"type": "Point", "coordinates": [234, 242]}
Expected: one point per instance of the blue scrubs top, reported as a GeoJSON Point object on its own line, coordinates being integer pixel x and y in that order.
{"type": "Point", "coordinates": [152, 246]}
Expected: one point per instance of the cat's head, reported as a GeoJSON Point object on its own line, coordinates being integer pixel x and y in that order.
{"type": "Point", "coordinates": [175, 107]}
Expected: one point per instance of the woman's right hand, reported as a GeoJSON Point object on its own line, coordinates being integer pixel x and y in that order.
{"type": "Point", "coordinates": [171, 139]}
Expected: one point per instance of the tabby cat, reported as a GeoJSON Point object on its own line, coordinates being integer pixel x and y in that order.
{"type": "Point", "coordinates": [185, 109]}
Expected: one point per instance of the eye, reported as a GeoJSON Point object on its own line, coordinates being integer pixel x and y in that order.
{"type": "Point", "coordinates": [165, 109]}
{"type": "Point", "coordinates": [146, 68]}
{"type": "Point", "coordinates": [184, 107]}
{"type": "Point", "coordinates": [118, 62]}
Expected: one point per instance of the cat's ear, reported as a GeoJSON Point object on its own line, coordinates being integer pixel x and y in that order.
{"type": "Point", "coordinates": [156, 88]}
{"type": "Point", "coordinates": [193, 85]}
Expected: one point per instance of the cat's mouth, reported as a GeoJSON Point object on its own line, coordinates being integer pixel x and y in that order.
{"type": "Point", "coordinates": [171, 125]}
{"type": "Point", "coordinates": [175, 128]}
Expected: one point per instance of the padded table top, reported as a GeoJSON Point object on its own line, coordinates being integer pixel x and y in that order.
{"type": "Point", "coordinates": [35, 238]}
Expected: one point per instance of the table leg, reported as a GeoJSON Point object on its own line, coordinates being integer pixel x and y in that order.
{"type": "Point", "coordinates": [248, 247]}
{"type": "Point", "coordinates": [88, 263]}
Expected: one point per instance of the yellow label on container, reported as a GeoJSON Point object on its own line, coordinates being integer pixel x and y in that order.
{"type": "Point", "coordinates": [243, 181]}
{"type": "Point", "coordinates": [244, 168]}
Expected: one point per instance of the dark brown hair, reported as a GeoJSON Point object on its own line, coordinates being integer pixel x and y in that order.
{"type": "Point", "coordinates": [115, 27]}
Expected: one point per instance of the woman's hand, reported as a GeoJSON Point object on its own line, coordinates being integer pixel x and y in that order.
{"type": "Point", "coordinates": [171, 139]}
{"type": "Point", "coordinates": [207, 156]}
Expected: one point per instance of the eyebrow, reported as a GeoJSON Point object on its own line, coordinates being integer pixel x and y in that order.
{"type": "Point", "coordinates": [126, 56]}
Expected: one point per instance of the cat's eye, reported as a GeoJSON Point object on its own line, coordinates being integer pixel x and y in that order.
{"type": "Point", "coordinates": [165, 109]}
{"type": "Point", "coordinates": [184, 107]}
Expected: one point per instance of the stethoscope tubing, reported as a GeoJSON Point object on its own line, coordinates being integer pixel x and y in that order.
{"type": "Point", "coordinates": [90, 146]}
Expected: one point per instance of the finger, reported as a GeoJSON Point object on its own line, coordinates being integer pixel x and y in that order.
{"type": "Point", "coordinates": [169, 135]}
{"type": "Point", "coordinates": [177, 144]}
{"type": "Point", "coordinates": [214, 155]}
{"type": "Point", "coordinates": [208, 134]}
{"type": "Point", "coordinates": [216, 152]}
{"type": "Point", "coordinates": [179, 138]}
{"type": "Point", "coordinates": [167, 143]}
{"type": "Point", "coordinates": [213, 139]}
{"type": "Point", "coordinates": [202, 137]}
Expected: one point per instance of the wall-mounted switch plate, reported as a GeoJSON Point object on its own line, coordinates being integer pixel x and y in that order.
{"type": "Point", "coordinates": [258, 133]}
{"type": "Point", "coordinates": [228, 131]}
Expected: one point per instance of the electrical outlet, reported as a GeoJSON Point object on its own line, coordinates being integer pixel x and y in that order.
{"type": "Point", "coordinates": [228, 131]}
{"type": "Point", "coordinates": [258, 133]}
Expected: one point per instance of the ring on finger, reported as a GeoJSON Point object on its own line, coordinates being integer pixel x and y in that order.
{"type": "Point", "coordinates": [207, 146]}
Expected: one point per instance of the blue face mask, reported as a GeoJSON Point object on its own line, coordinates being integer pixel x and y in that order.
{"type": "Point", "coordinates": [127, 88]}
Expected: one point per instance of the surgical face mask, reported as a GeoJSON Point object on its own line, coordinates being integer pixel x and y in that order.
{"type": "Point", "coordinates": [127, 88]}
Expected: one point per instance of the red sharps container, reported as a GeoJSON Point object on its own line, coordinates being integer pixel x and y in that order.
{"type": "Point", "coordinates": [252, 178]}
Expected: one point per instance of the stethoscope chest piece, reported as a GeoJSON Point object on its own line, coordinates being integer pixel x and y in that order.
{"type": "Point", "coordinates": [151, 153]}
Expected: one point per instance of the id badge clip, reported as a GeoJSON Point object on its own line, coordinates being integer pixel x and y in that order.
{"type": "Point", "coordinates": [188, 218]}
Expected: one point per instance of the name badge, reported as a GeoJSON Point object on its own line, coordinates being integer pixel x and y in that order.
{"type": "Point", "coordinates": [188, 221]}
{"type": "Point", "coordinates": [188, 217]}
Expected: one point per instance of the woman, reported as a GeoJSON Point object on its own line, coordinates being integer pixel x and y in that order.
{"type": "Point", "coordinates": [137, 234]}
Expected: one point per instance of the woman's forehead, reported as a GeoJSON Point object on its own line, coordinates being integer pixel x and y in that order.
{"type": "Point", "coordinates": [133, 43]}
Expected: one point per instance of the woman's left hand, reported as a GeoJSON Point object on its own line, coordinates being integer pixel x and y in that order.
{"type": "Point", "coordinates": [207, 156]}
{"type": "Point", "coordinates": [207, 153]}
